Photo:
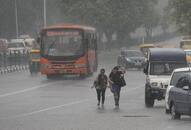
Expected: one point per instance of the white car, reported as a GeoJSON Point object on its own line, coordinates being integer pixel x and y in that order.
{"type": "Point", "coordinates": [175, 76]}
{"type": "Point", "coordinates": [17, 46]}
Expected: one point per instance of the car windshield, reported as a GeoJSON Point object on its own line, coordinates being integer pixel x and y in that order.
{"type": "Point", "coordinates": [63, 45]}
{"type": "Point", "coordinates": [15, 45]}
{"type": "Point", "coordinates": [177, 75]}
{"type": "Point", "coordinates": [164, 68]}
{"type": "Point", "coordinates": [133, 54]}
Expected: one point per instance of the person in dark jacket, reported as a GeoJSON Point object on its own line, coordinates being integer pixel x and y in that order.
{"type": "Point", "coordinates": [116, 79]}
{"type": "Point", "coordinates": [101, 84]}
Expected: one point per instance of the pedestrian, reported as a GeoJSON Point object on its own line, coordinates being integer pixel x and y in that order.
{"type": "Point", "coordinates": [100, 84]}
{"type": "Point", "coordinates": [116, 80]}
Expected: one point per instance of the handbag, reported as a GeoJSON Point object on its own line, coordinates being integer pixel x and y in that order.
{"type": "Point", "coordinates": [122, 82]}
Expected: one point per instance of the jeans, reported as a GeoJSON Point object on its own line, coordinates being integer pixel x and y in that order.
{"type": "Point", "coordinates": [116, 93]}
{"type": "Point", "coordinates": [101, 94]}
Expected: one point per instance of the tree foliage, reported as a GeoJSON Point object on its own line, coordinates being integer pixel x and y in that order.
{"type": "Point", "coordinates": [30, 16]}
{"type": "Point", "coordinates": [113, 16]}
{"type": "Point", "coordinates": [109, 16]}
{"type": "Point", "coordinates": [180, 11]}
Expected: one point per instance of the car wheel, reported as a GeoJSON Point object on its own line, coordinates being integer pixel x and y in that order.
{"type": "Point", "coordinates": [149, 101]}
{"type": "Point", "coordinates": [174, 114]}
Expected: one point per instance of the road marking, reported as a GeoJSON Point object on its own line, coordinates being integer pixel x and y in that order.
{"type": "Point", "coordinates": [26, 90]}
{"type": "Point", "coordinates": [54, 107]}
{"type": "Point", "coordinates": [68, 104]}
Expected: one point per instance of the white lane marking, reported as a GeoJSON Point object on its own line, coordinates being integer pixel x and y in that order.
{"type": "Point", "coordinates": [26, 90]}
{"type": "Point", "coordinates": [69, 104]}
{"type": "Point", "coordinates": [54, 107]}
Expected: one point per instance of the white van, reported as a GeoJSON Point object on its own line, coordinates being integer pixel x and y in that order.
{"type": "Point", "coordinates": [160, 64]}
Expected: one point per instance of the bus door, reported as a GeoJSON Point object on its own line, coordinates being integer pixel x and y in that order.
{"type": "Point", "coordinates": [92, 52]}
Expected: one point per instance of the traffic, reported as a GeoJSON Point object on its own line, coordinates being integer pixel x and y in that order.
{"type": "Point", "coordinates": [165, 70]}
{"type": "Point", "coordinates": [95, 65]}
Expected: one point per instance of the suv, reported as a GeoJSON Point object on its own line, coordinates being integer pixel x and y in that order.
{"type": "Point", "coordinates": [160, 64]}
{"type": "Point", "coordinates": [178, 95]}
{"type": "Point", "coordinates": [131, 59]}
{"type": "Point", "coordinates": [17, 46]}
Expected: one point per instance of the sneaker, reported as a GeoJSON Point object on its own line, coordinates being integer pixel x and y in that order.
{"type": "Point", "coordinates": [98, 104]}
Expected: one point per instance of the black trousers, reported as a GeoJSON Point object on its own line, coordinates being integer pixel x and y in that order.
{"type": "Point", "coordinates": [101, 95]}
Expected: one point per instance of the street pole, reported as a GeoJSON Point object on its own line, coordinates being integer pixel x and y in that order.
{"type": "Point", "coordinates": [44, 13]}
{"type": "Point", "coordinates": [16, 20]}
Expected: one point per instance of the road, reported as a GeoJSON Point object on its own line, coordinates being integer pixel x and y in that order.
{"type": "Point", "coordinates": [35, 103]}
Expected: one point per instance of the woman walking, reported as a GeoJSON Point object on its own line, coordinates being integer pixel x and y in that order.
{"type": "Point", "coordinates": [116, 79]}
{"type": "Point", "coordinates": [101, 84]}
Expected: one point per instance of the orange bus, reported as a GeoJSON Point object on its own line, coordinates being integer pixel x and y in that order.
{"type": "Point", "coordinates": [68, 49]}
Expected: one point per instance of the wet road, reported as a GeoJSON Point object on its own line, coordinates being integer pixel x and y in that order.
{"type": "Point", "coordinates": [35, 103]}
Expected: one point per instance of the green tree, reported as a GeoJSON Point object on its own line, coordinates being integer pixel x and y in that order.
{"type": "Point", "coordinates": [111, 16]}
{"type": "Point", "coordinates": [180, 11]}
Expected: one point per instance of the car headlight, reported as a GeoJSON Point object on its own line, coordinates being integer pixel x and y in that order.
{"type": "Point", "coordinates": [128, 60]}
{"type": "Point", "coordinates": [154, 84]}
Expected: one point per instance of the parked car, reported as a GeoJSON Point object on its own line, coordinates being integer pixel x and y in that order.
{"type": "Point", "coordinates": [131, 59]}
{"type": "Point", "coordinates": [17, 46]}
{"type": "Point", "coordinates": [3, 45]}
{"type": "Point", "coordinates": [178, 95]}
{"type": "Point", "coordinates": [160, 64]}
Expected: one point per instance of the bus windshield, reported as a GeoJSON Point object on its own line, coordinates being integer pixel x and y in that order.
{"type": "Point", "coordinates": [62, 43]}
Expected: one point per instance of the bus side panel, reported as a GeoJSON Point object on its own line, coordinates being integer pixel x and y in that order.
{"type": "Point", "coordinates": [92, 60]}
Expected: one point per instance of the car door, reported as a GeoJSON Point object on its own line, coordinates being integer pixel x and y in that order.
{"type": "Point", "coordinates": [189, 101]}
{"type": "Point", "coordinates": [180, 99]}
